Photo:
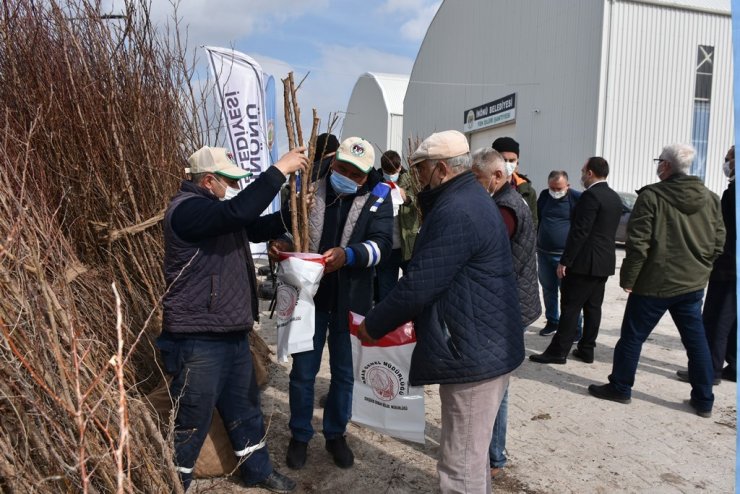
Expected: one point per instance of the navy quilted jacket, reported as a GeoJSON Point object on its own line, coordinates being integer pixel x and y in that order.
{"type": "Point", "coordinates": [460, 290]}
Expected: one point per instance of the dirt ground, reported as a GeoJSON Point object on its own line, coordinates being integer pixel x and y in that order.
{"type": "Point", "coordinates": [560, 439]}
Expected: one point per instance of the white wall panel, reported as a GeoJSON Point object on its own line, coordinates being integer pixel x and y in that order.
{"type": "Point", "coordinates": [649, 95]}
{"type": "Point", "coordinates": [374, 111]}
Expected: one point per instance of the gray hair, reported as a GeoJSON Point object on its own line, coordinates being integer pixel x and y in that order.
{"type": "Point", "coordinates": [679, 157]}
{"type": "Point", "coordinates": [489, 160]}
{"type": "Point", "coordinates": [557, 174]}
{"type": "Point", "coordinates": [197, 178]}
{"type": "Point", "coordinates": [459, 164]}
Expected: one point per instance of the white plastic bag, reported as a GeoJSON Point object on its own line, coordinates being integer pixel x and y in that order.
{"type": "Point", "coordinates": [298, 277]}
{"type": "Point", "coordinates": [382, 399]}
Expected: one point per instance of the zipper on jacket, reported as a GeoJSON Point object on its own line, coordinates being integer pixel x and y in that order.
{"type": "Point", "coordinates": [450, 344]}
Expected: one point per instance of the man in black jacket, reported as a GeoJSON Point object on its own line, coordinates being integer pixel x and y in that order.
{"type": "Point", "coordinates": [460, 291]}
{"type": "Point", "coordinates": [211, 305]}
{"type": "Point", "coordinates": [587, 262]}
{"type": "Point", "coordinates": [720, 304]}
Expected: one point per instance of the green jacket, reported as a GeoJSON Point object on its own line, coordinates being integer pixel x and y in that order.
{"type": "Point", "coordinates": [674, 235]}
{"type": "Point", "coordinates": [408, 217]}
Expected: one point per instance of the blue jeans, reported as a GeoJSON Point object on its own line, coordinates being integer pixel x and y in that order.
{"type": "Point", "coordinates": [306, 365]}
{"type": "Point", "coordinates": [210, 374]}
{"type": "Point", "coordinates": [497, 449]}
{"type": "Point", "coordinates": [547, 265]}
{"type": "Point", "coordinates": [641, 315]}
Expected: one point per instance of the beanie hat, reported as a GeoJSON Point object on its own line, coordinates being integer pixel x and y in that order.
{"type": "Point", "coordinates": [326, 144]}
{"type": "Point", "coordinates": [506, 145]}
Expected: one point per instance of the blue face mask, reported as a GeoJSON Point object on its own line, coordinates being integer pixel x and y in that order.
{"type": "Point", "coordinates": [342, 184]}
{"type": "Point", "coordinates": [390, 178]}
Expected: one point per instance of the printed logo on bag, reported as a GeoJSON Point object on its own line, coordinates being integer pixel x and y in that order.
{"type": "Point", "coordinates": [386, 380]}
{"type": "Point", "coordinates": [287, 299]}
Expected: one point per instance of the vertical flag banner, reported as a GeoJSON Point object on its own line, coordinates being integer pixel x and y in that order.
{"type": "Point", "coordinates": [240, 88]}
{"type": "Point", "coordinates": [241, 91]}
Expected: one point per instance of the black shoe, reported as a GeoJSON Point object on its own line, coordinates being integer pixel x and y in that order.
{"type": "Point", "coordinates": [583, 356]}
{"type": "Point", "coordinates": [549, 329]}
{"type": "Point", "coordinates": [296, 456]}
{"type": "Point", "coordinates": [546, 358]}
{"type": "Point", "coordinates": [701, 413]}
{"type": "Point", "coordinates": [683, 375]}
{"type": "Point", "coordinates": [275, 482]}
{"type": "Point", "coordinates": [606, 392]}
{"type": "Point", "coordinates": [729, 375]}
{"type": "Point", "coordinates": [340, 451]}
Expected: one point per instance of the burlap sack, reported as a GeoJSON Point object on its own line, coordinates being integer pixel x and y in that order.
{"type": "Point", "coordinates": [216, 457]}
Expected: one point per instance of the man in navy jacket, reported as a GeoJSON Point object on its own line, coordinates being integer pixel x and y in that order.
{"type": "Point", "coordinates": [460, 291]}
{"type": "Point", "coordinates": [211, 305]}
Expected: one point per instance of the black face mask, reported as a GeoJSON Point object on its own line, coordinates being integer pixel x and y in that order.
{"type": "Point", "coordinates": [429, 185]}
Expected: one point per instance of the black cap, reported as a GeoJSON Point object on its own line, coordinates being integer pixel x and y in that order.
{"type": "Point", "coordinates": [326, 144]}
{"type": "Point", "coordinates": [506, 145]}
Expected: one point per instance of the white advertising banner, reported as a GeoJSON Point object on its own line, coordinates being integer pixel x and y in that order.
{"type": "Point", "coordinates": [241, 90]}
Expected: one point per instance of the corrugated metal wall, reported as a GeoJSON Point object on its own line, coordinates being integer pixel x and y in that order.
{"type": "Point", "coordinates": [546, 51]}
{"type": "Point", "coordinates": [650, 88]}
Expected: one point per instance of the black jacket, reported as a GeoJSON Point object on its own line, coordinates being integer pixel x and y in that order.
{"type": "Point", "coordinates": [724, 265]}
{"type": "Point", "coordinates": [590, 248]}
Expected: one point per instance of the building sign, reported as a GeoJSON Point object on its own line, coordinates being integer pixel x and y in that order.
{"type": "Point", "coordinates": [498, 112]}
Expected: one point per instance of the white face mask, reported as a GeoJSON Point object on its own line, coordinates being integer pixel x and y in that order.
{"type": "Point", "coordinates": [230, 193]}
{"type": "Point", "coordinates": [727, 169]}
{"type": "Point", "coordinates": [557, 194]}
{"type": "Point", "coordinates": [510, 167]}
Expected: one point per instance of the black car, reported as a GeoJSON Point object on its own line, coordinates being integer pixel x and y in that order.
{"type": "Point", "coordinates": [628, 202]}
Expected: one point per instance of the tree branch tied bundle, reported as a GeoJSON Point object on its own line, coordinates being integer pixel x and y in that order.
{"type": "Point", "coordinates": [298, 212]}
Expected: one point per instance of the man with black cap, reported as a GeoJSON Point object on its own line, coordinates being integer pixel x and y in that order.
{"type": "Point", "coordinates": [211, 305]}
{"type": "Point", "coordinates": [509, 149]}
{"type": "Point", "coordinates": [326, 147]}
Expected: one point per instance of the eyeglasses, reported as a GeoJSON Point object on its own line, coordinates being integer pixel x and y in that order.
{"type": "Point", "coordinates": [658, 160]}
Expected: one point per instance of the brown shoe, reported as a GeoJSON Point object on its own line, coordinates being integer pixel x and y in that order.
{"type": "Point", "coordinates": [496, 472]}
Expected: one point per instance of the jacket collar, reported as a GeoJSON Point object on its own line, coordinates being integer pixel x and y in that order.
{"type": "Point", "coordinates": [188, 186]}
{"type": "Point", "coordinates": [428, 197]}
{"type": "Point", "coordinates": [502, 190]}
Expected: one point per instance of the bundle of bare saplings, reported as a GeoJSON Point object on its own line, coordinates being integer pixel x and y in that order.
{"type": "Point", "coordinates": [97, 114]}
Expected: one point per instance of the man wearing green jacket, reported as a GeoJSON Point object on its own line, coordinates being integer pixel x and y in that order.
{"type": "Point", "coordinates": [674, 235]}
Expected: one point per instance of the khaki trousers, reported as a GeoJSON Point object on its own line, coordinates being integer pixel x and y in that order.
{"type": "Point", "coordinates": [468, 413]}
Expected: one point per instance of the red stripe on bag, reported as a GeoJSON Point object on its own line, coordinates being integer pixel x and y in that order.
{"type": "Point", "coordinates": [306, 256]}
{"type": "Point", "coordinates": [402, 335]}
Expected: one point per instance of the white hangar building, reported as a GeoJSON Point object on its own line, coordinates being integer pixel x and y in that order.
{"type": "Point", "coordinates": [570, 79]}
{"type": "Point", "coordinates": [375, 111]}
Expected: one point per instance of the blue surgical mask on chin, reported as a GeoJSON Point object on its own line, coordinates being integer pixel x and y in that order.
{"type": "Point", "coordinates": [342, 184]}
{"type": "Point", "coordinates": [391, 178]}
